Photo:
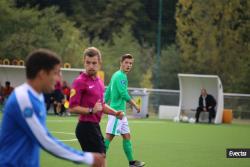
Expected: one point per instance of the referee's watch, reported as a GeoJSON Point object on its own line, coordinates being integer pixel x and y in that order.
{"type": "Point", "coordinates": [90, 110]}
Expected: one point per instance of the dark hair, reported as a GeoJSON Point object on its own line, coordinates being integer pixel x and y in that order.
{"type": "Point", "coordinates": [40, 59]}
{"type": "Point", "coordinates": [126, 56]}
{"type": "Point", "coordinates": [7, 83]}
{"type": "Point", "coordinates": [91, 52]}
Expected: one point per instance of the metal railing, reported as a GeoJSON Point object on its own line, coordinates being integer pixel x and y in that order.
{"type": "Point", "coordinates": [239, 103]}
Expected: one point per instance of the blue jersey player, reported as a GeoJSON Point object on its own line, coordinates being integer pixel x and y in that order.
{"type": "Point", "coordinates": [23, 130]}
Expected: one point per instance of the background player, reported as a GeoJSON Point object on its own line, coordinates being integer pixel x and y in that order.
{"type": "Point", "coordinates": [117, 94]}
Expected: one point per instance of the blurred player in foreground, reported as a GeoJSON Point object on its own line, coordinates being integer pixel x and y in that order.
{"type": "Point", "coordinates": [117, 95]}
{"type": "Point", "coordinates": [24, 120]}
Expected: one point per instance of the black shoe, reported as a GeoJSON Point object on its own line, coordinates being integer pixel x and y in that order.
{"type": "Point", "coordinates": [136, 163]}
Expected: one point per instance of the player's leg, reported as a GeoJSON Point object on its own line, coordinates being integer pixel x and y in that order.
{"type": "Point", "coordinates": [59, 108]}
{"type": "Point", "coordinates": [111, 130]}
{"type": "Point", "coordinates": [90, 138]}
{"type": "Point", "coordinates": [127, 145]}
{"type": "Point", "coordinates": [101, 144]}
{"type": "Point", "coordinates": [108, 139]}
{"type": "Point", "coordinates": [197, 115]}
{"type": "Point", "coordinates": [211, 115]}
{"type": "Point", "coordinates": [55, 107]}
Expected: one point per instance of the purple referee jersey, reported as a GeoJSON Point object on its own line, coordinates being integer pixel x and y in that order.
{"type": "Point", "coordinates": [85, 92]}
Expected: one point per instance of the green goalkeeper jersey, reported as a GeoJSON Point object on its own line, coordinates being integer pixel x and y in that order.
{"type": "Point", "coordinates": [117, 91]}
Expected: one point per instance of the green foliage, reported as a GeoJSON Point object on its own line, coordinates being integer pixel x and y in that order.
{"type": "Point", "coordinates": [214, 39]}
{"type": "Point", "coordinates": [123, 43]}
{"type": "Point", "coordinates": [102, 18]}
{"type": "Point", "coordinates": [146, 81]}
{"type": "Point", "coordinates": [169, 68]}
{"type": "Point", "coordinates": [103, 23]}
{"type": "Point", "coordinates": [145, 28]}
{"type": "Point", "coordinates": [23, 30]}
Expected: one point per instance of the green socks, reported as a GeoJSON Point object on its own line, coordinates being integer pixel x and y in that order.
{"type": "Point", "coordinates": [106, 142]}
{"type": "Point", "coordinates": [127, 147]}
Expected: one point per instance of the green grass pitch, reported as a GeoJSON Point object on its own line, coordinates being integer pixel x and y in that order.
{"type": "Point", "coordinates": [163, 143]}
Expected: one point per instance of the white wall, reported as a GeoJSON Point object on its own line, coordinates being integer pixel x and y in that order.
{"type": "Point", "coordinates": [16, 74]}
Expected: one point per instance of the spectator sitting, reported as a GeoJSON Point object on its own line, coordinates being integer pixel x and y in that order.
{"type": "Point", "coordinates": [1, 93]}
{"type": "Point", "coordinates": [7, 90]}
{"type": "Point", "coordinates": [66, 90]}
{"type": "Point", "coordinates": [48, 97]}
{"type": "Point", "coordinates": [58, 99]}
{"type": "Point", "coordinates": [207, 103]}
{"type": "Point", "coordinates": [66, 93]}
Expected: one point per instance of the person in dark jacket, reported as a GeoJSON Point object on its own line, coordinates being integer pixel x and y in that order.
{"type": "Point", "coordinates": [207, 103]}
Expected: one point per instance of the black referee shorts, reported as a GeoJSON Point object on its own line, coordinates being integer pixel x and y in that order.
{"type": "Point", "coordinates": [90, 137]}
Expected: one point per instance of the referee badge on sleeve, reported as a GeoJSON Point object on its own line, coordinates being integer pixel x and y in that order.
{"type": "Point", "coordinates": [28, 112]}
{"type": "Point", "coordinates": [72, 92]}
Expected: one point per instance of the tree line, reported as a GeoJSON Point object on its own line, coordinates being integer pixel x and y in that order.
{"type": "Point", "coordinates": [198, 36]}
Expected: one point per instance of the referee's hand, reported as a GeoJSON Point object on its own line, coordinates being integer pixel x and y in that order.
{"type": "Point", "coordinates": [99, 160]}
{"type": "Point", "coordinates": [98, 107]}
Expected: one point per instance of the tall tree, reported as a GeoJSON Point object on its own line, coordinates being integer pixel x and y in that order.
{"type": "Point", "coordinates": [124, 43]}
{"type": "Point", "coordinates": [102, 18]}
{"type": "Point", "coordinates": [145, 28]}
{"type": "Point", "coordinates": [169, 68]}
{"type": "Point", "coordinates": [214, 39]}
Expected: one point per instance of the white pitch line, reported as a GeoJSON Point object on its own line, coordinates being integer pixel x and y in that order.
{"type": "Point", "coordinates": [61, 121]}
{"type": "Point", "coordinates": [147, 122]}
{"type": "Point", "coordinates": [67, 133]}
{"type": "Point", "coordinates": [69, 140]}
